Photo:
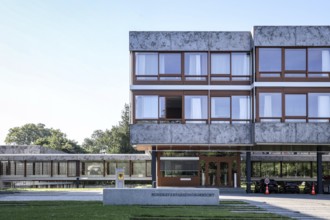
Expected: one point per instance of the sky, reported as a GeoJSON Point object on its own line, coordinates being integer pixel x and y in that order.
{"type": "Point", "coordinates": [65, 63]}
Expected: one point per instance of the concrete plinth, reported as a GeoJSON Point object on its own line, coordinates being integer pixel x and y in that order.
{"type": "Point", "coordinates": [161, 196]}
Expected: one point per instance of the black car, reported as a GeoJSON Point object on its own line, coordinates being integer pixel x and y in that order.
{"type": "Point", "coordinates": [260, 186]}
{"type": "Point", "coordinates": [291, 187]}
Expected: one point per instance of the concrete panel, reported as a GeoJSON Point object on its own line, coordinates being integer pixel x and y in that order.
{"type": "Point", "coordinates": [313, 36]}
{"type": "Point", "coordinates": [66, 157]}
{"type": "Point", "coordinates": [190, 134]}
{"type": "Point", "coordinates": [150, 133]}
{"type": "Point", "coordinates": [233, 41]}
{"type": "Point", "coordinates": [160, 196]}
{"type": "Point", "coordinates": [295, 133]}
{"type": "Point", "coordinates": [275, 133]}
{"type": "Point", "coordinates": [291, 35]}
{"type": "Point", "coordinates": [274, 36]}
{"type": "Point", "coordinates": [230, 134]}
{"type": "Point", "coordinates": [189, 41]}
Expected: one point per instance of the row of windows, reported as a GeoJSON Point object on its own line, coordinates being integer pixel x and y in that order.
{"type": "Point", "coordinates": [192, 108]}
{"type": "Point", "coordinates": [73, 168]}
{"type": "Point", "coordinates": [271, 107]}
{"type": "Point", "coordinates": [192, 66]}
{"type": "Point", "coordinates": [272, 63]}
{"type": "Point", "coordinates": [294, 62]}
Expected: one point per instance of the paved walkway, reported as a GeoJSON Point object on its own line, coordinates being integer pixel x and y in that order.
{"type": "Point", "coordinates": [292, 205]}
{"type": "Point", "coordinates": [300, 206]}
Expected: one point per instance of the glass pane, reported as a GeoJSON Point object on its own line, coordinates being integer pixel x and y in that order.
{"type": "Point", "coordinates": [212, 175]}
{"type": "Point", "coordinates": [169, 63]}
{"type": "Point", "coordinates": [162, 107]}
{"type": "Point", "coordinates": [295, 105]}
{"type": "Point", "coordinates": [177, 168]}
{"type": "Point", "coordinates": [125, 165]}
{"type": "Point", "coordinates": [270, 105]}
{"type": "Point", "coordinates": [295, 75]}
{"type": "Point", "coordinates": [93, 168]}
{"type": "Point", "coordinates": [241, 107]}
{"type": "Point", "coordinates": [139, 168]}
{"type": "Point", "coordinates": [220, 107]}
{"type": "Point", "coordinates": [196, 107]}
{"type": "Point", "coordinates": [270, 59]}
{"type": "Point", "coordinates": [146, 64]}
{"type": "Point", "coordinates": [195, 64]}
{"type": "Point", "coordinates": [146, 107]}
{"type": "Point", "coordinates": [224, 174]}
{"type": "Point", "coordinates": [319, 105]}
{"type": "Point", "coordinates": [240, 64]}
{"type": "Point", "coordinates": [270, 75]}
{"type": "Point", "coordinates": [220, 63]}
{"type": "Point", "coordinates": [319, 59]}
{"type": "Point", "coordinates": [295, 59]}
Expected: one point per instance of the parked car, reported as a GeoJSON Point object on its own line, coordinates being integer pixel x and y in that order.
{"type": "Point", "coordinates": [291, 187]}
{"type": "Point", "coordinates": [260, 186]}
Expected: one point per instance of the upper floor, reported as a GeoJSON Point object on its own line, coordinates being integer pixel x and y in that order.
{"type": "Point", "coordinates": [273, 54]}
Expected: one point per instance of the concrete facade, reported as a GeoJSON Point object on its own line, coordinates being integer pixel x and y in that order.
{"type": "Point", "coordinates": [189, 41]}
{"type": "Point", "coordinates": [291, 36]}
{"type": "Point", "coordinates": [238, 134]}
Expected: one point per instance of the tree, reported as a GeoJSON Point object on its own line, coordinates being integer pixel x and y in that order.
{"type": "Point", "coordinates": [116, 140]}
{"type": "Point", "coordinates": [38, 134]}
{"type": "Point", "coordinates": [27, 134]}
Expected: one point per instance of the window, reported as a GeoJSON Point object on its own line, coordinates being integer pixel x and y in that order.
{"type": "Point", "coordinates": [241, 108]}
{"type": "Point", "coordinates": [240, 65]}
{"type": "Point", "coordinates": [220, 107]}
{"type": "Point", "coordinates": [146, 107]}
{"type": "Point", "coordinates": [270, 60]}
{"type": "Point", "coordinates": [318, 62]}
{"type": "Point", "coordinates": [234, 109]}
{"type": "Point", "coordinates": [170, 63]}
{"type": "Point", "coordinates": [295, 62]}
{"type": "Point", "coordinates": [179, 168]}
{"type": "Point", "coordinates": [139, 168]}
{"type": "Point", "coordinates": [195, 66]}
{"type": "Point", "coordinates": [270, 107]}
{"type": "Point", "coordinates": [230, 66]}
{"type": "Point", "coordinates": [196, 108]}
{"type": "Point", "coordinates": [319, 107]}
{"type": "Point", "coordinates": [220, 63]}
{"type": "Point", "coordinates": [295, 107]}
{"type": "Point", "coordinates": [146, 65]}
{"type": "Point", "coordinates": [170, 108]}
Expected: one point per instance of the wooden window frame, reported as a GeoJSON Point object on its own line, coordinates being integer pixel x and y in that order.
{"type": "Point", "coordinates": [230, 94]}
{"type": "Point", "coordinates": [282, 73]}
{"type": "Point", "coordinates": [230, 75]}
{"type": "Point", "coordinates": [283, 92]}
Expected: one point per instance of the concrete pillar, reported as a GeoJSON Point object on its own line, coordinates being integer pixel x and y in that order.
{"type": "Point", "coordinates": [153, 168]}
{"type": "Point", "coordinates": [319, 170]}
{"type": "Point", "coordinates": [248, 172]}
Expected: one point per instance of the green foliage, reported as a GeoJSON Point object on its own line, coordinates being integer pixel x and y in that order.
{"type": "Point", "coordinates": [116, 140]}
{"type": "Point", "coordinates": [38, 134]}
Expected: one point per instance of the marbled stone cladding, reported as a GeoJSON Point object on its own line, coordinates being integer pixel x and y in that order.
{"type": "Point", "coordinates": [191, 134]}
{"type": "Point", "coordinates": [295, 133]}
{"type": "Point", "coordinates": [291, 36]}
{"type": "Point", "coordinates": [190, 41]}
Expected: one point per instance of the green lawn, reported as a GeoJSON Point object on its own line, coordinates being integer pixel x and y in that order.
{"type": "Point", "coordinates": [95, 210]}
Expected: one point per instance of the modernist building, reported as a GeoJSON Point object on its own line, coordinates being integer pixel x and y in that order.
{"type": "Point", "coordinates": [203, 102]}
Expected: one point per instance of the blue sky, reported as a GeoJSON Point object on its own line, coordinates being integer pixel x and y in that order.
{"type": "Point", "coordinates": [65, 63]}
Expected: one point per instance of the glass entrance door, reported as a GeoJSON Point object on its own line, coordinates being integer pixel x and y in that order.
{"type": "Point", "coordinates": [218, 174]}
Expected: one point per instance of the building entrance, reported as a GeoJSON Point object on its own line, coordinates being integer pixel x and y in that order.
{"type": "Point", "coordinates": [220, 171]}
